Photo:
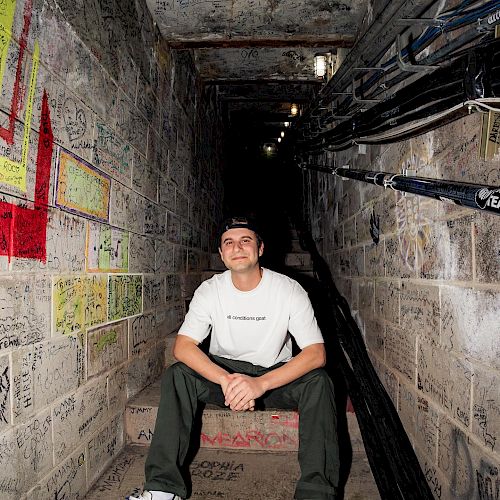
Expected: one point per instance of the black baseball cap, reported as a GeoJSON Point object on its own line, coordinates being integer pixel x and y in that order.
{"type": "Point", "coordinates": [239, 222]}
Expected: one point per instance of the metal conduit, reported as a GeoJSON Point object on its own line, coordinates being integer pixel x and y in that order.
{"type": "Point", "coordinates": [476, 196]}
{"type": "Point", "coordinates": [372, 45]}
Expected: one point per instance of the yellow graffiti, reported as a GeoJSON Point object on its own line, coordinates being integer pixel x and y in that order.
{"type": "Point", "coordinates": [96, 300]}
{"type": "Point", "coordinates": [106, 249]}
{"type": "Point", "coordinates": [12, 172]}
{"type": "Point", "coordinates": [81, 188]}
{"type": "Point", "coordinates": [79, 302]}
{"type": "Point", "coordinates": [69, 305]}
{"type": "Point", "coordinates": [6, 19]}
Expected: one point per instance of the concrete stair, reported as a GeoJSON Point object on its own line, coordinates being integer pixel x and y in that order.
{"type": "Point", "coordinates": [242, 456]}
{"type": "Point", "coordinates": [245, 456]}
{"type": "Point", "coordinates": [272, 431]}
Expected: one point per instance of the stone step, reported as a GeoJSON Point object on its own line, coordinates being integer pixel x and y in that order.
{"type": "Point", "coordinates": [226, 474]}
{"type": "Point", "coordinates": [271, 430]}
{"type": "Point", "coordinates": [300, 260]}
{"type": "Point", "coordinates": [230, 475]}
{"type": "Point", "coordinates": [295, 245]}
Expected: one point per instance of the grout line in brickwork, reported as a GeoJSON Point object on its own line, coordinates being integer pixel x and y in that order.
{"type": "Point", "coordinates": [473, 242]}
{"type": "Point", "coordinates": [440, 303]}
{"type": "Point", "coordinates": [434, 282]}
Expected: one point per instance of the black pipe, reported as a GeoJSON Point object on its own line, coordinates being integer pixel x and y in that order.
{"type": "Point", "coordinates": [476, 196]}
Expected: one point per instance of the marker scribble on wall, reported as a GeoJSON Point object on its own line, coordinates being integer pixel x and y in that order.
{"type": "Point", "coordinates": [412, 222]}
{"type": "Point", "coordinates": [6, 22]}
{"type": "Point", "coordinates": [14, 172]}
{"type": "Point", "coordinates": [375, 227]}
{"type": "Point", "coordinates": [413, 230]}
{"type": "Point", "coordinates": [106, 248]}
{"type": "Point", "coordinates": [23, 227]}
{"type": "Point", "coordinates": [79, 302]}
{"type": "Point", "coordinates": [81, 188]}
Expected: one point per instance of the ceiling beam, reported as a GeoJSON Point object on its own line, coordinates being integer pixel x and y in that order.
{"type": "Point", "coordinates": [262, 82]}
{"type": "Point", "coordinates": [336, 41]}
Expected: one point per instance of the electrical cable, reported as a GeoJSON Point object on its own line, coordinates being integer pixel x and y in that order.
{"type": "Point", "coordinates": [427, 37]}
{"type": "Point", "coordinates": [442, 54]}
{"type": "Point", "coordinates": [469, 76]}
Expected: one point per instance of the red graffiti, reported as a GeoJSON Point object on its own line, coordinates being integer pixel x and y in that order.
{"type": "Point", "coordinates": [22, 229]}
{"type": "Point", "coordinates": [292, 422]}
{"type": "Point", "coordinates": [251, 439]}
{"type": "Point", "coordinates": [8, 133]}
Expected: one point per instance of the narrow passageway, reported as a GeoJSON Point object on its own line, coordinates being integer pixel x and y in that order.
{"type": "Point", "coordinates": [363, 138]}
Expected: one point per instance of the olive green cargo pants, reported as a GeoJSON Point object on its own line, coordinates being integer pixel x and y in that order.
{"type": "Point", "coordinates": [312, 395]}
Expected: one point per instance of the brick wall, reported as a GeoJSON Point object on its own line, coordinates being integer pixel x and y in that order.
{"type": "Point", "coordinates": [110, 189]}
{"type": "Point", "coordinates": [422, 281]}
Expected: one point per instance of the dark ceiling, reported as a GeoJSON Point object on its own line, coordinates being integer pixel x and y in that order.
{"type": "Point", "coordinates": [260, 53]}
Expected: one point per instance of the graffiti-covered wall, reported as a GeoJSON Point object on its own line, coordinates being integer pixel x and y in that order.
{"type": "Point", "coordinates": [422, 280]}
{"type": "Point", "coordinates": [109, 193]}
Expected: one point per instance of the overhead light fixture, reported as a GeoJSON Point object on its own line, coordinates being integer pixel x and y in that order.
{"type": "Point", "coordinates": [286, 124]}
{"type": "Point", "coordinates": [279, 139]}
{"type": "Point", "coordinates": [320, 65]}
{"type": "Point", "coordinates": [294, 110]}
{"type": "Point", "coordinates": [269, 148]}
{"type": "Point", "coordinates": [282, 134]}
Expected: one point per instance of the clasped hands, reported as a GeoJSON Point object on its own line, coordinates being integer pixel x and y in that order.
{"type": "Point", "coordinates": [241, 391]}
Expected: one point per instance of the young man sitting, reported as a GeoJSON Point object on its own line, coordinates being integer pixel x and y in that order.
{"type": "Point", "coordinates": [250, 312]}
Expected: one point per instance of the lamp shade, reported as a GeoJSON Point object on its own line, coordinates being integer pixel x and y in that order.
{"type": "Point", "coordinates": [320, 65]}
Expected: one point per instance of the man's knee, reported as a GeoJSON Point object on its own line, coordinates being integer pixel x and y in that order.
{"type": "Point", "coordinates": [316, 385]}
{"type": "Point", "coordinates": [319, 377]}
{"type": "Point", "coordinates": [173, 372]}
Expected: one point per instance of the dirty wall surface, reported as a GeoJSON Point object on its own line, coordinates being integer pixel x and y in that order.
{"type": "Point", "coordinates": [109, 194]}
{"type": "Point", "coordinates": [422, 281]}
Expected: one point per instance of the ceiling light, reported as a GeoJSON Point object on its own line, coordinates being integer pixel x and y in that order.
{"type": "Point", "coordinates": [294, 110]}
{"type": "Point", "coordinates": [279, 139]}
{"type": "Point", "coordinates": [282, 134]}
{"type": "Point", "coordinates": [269, 148]}
{"type": "Point", "coordinates": [320, 65]}
{"type": "Point", "coordinates": [286, 124]}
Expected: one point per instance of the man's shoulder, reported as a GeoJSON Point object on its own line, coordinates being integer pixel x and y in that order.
{"type": "Point", "coordinates": [214, 281]}
{"type": "Point", "coordinates": [282, 279]}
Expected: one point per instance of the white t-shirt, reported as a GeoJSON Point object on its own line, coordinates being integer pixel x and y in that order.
{"type": "Point", "coordinates": [252, 326]}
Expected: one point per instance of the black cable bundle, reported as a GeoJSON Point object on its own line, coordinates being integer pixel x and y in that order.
{"type": "Point", "coordinates": [475, 74]}
{"type": "Point", "coordinates": [393, 462]}
{"type": "Point", "coordinates": [472, 14]}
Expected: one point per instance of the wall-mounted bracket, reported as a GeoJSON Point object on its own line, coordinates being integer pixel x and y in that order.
{"type": "Point", "coordinates": [409, 172]}
{"type": "Point", "coordinates": [414, 68]}
{"type": "Point", "coordinates": [357, 99]}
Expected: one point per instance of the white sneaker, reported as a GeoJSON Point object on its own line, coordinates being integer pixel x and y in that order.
{"type": "Point", "coordinates": [155, 495]}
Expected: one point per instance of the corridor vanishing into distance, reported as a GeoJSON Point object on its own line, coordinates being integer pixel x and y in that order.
{"type": "Point", "coordinates": [364, 138]}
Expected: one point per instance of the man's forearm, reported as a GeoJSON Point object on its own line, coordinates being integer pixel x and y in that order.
{"type": "Point", "coordinates": [191, 355]}
{"type": "Point", "coordinates": [310, 358]}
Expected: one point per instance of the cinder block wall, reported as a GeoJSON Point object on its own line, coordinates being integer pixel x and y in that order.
{"type": "Point", "coordinates": [109, 154]}
{"type": "Point", "coordinates": [422, 281]}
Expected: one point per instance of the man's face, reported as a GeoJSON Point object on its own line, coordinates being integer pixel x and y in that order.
{"type": "Point", "coordinates": [239, 251]}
